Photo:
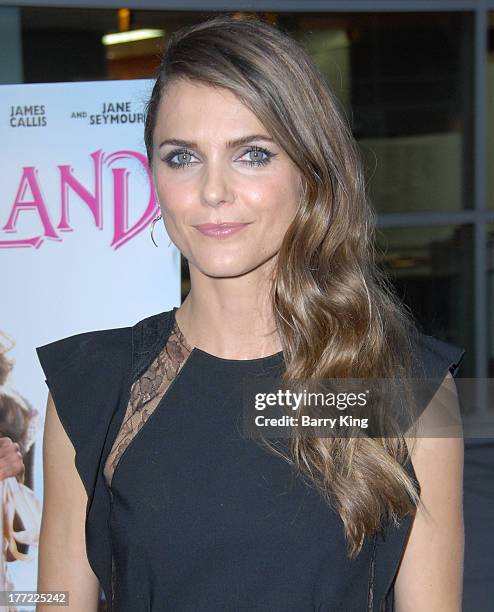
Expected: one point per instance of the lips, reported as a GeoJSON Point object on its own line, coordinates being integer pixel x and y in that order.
{"type": "Point", "coordinates": [220, 230]}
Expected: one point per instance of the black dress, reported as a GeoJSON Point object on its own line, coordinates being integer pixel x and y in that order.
{"type": "Point", "coordinates": [184, 513]}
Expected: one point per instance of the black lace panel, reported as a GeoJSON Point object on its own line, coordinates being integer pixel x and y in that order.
{"type": "Point", "coordinates": [146, 393]}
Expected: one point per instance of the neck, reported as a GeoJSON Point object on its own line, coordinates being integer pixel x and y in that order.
{"type": "Point", "coordinates": [231, 317]}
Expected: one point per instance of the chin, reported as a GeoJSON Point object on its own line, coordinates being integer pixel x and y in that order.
{"type": "Point", "coordinates": [232, 270]}
{"type": "Point", "coordinates": [224, 267]}
{"type": "Point", "coordinates": [224, 271]}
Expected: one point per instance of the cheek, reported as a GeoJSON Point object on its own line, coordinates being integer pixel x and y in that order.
{"type": "Point", "coordinates": [171, 197]}
{"type": "Point", "coordinates": [283, 201]}
{"type": "Point", "coordinates": [280, 192]}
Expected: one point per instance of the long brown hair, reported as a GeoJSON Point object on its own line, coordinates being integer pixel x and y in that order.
{"type": "Point", "coordinates": [335, 310]}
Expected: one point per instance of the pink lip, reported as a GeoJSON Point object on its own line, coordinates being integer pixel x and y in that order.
{"type": "Point", "coordinates": [220, 230]}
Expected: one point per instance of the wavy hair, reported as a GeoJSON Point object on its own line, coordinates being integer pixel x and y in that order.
{"type": "Point", "coordinates": [335, 310]}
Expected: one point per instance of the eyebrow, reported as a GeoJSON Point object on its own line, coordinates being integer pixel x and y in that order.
{"type": "Point", "coordinates": [230, 143]}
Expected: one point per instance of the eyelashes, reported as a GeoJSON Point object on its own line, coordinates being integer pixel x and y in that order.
{"type": "Point", "coordinates": [181, 153]}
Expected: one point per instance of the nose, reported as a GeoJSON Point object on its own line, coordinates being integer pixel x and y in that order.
{"type": "Point", "coordinates": [216, 187]}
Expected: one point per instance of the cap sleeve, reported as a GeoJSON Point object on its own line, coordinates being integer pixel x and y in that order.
{"type": "Point", "coordinates": [438, 356]}
{"type": "Point", "coordinates": [433, 359]}
{"type": "Point", "coordinates": [59, 360]}
{"type": "Point", "coordinates": [84, 374]}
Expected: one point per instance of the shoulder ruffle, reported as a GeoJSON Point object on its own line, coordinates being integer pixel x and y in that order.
{"type": "Point", "coordinates": [84, 373]}
{"type": "Point", "coordinates": [438, 356]}
{"type": "Point", "coordinates": [433, 359]}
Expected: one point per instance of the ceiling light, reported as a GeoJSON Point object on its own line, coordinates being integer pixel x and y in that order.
{"type": "Point", "coordinates": [131, 36]}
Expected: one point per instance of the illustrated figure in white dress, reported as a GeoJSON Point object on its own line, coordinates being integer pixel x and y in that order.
{"type": "Point", "coordinates": [21, 511]}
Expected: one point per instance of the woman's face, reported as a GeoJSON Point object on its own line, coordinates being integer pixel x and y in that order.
{"type": "Point", "coordinates": [205, 180]}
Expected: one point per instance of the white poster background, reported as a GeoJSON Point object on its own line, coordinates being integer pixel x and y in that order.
{"type": "Point", "coordinates": [73, 260]}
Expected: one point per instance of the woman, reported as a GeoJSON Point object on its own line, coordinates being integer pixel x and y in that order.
{"type": "Point", "coordinates": [261, 188]}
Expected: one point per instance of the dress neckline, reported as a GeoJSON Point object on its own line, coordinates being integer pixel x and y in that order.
{"type": "Point", "coordinates": [274, 358]}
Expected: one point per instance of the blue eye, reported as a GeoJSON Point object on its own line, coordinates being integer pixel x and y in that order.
{"type": "Point", "coordinates": [258, 152]}
{"type": "Point", "coordinates": [184, 154]}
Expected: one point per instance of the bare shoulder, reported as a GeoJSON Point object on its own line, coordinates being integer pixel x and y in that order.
{"type": "Point", "coordinates": [431, 571]}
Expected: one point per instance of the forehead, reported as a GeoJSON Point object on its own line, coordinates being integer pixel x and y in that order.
{"type": "Point", "coordinates": [193, 109]}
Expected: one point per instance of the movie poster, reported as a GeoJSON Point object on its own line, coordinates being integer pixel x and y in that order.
{"type": "Point", "coordinates": [77, 202]}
